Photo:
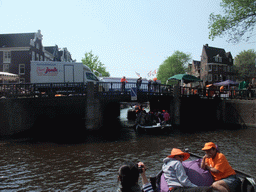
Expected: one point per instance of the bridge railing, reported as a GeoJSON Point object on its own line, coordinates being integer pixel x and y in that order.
{"type": "Point", "coordinates": [118, 87]}
{"type": "Point", "coordinates": [42, 90]}
{"type": "Point", "coordinates": [79, 89]}
{"type": "Point", "coordinates": [212, 93]}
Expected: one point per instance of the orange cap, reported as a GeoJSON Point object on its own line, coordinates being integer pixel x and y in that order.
{"type": "Point", "coordinates": [208, 146]}
{"type": "Point", "coordinates": [176, 151]}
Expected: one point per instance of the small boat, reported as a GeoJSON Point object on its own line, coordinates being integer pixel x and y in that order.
{"type": "Point", "coordinates": [132, 113]}
{"type": "Point", "coordinates": [157, 127]}
{"type": "Point", "coordinates": [248, 182]}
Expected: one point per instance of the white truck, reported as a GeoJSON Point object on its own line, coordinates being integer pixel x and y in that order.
{"type": "Point", "coordinates": [58, 73]}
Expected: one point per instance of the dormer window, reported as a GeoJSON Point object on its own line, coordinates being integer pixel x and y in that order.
{"type": "Point", "coordinates": [218, 58]}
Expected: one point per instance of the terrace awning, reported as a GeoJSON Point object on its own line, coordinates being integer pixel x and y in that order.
{"type": "Point", "coordinates": [8, 76]}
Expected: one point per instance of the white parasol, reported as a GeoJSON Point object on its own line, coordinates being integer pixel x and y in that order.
{"type": "Point", "coordinates": [8, 76]}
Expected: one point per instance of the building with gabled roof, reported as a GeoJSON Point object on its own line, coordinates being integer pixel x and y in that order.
{"type": "Point", "coordinates": [216, 65]}
{"type": "Point", "coordinates": [19, 49]}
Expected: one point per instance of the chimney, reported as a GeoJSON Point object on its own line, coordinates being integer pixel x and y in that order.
{"type": "Point", "coordinates": [206, 45]}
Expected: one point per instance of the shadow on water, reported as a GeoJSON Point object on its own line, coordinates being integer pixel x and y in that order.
{"type": "Point", "coordinates": [71, 129]}
{"type": "Point", "coordinates": [58, 130]}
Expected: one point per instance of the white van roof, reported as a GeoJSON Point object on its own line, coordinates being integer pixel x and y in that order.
{"type": "Point", "coordinates": [86, 68]}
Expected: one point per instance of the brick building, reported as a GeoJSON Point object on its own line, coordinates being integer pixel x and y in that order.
{"type": "Point", "coordinates": [216, 65]}
{"type": "Point", "coordinates": [18, 50]}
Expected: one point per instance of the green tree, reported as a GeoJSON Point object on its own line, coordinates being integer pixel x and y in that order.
{"type": "Point", "coordinates": [245, 65]}
{"type": "Point", "coordinates": [239, 17]}
{"type": "Point", "coordinates": [94, 63]}
{"type": "Point", "coordinates": [175, 64]}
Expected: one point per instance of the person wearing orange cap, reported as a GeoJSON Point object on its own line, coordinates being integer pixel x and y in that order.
{"type": "Point", "coordinates": [224, 175]}
{"type": "Point", "coordinates": [175, 174]}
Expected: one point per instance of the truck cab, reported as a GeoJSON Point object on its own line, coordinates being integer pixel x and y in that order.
{"type": "Point", "coordinates": [89, 76]}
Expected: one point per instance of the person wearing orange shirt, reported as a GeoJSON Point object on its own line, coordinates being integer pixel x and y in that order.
{"type": "Point", "coordinates": [225, 178]}
{"type": "Point", "coordinates": [123, 81]}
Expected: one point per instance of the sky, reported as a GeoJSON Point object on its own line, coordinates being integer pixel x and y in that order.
{"type": "Point", "coordinates": [128, 36]}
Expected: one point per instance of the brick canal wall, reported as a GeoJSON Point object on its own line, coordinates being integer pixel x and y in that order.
{"type": "Point", "coordinates": [207, 114]}
{"type": "Point", "coordinates": [239, 112]}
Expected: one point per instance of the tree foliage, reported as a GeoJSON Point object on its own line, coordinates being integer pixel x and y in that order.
{"type": "Point", "coordinates": [245, 64]}
{"type": "Point", "coordinates": [175, 64]}
{"type": "Point", "coordinates": [94, 63]}
{"type": "Point", "coordinates": [239, 17]}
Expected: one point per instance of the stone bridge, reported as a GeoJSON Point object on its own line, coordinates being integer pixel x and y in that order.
{"type": "Point", "coordinates": [71, 109]}
{"type": "Point", "coordinates": [51, 108]}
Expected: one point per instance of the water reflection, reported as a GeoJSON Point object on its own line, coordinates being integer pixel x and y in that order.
{"type": "Point", "coordinates": [92, 164]}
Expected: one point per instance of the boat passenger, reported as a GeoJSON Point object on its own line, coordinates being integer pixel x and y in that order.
{"type": "Point", "coordinates": [175, 174]}
{"type": "Point", "coordinates": [166, 116]}
{"type": "Point", "coordinates": [224, 175]}
{"type": "Point", "coordinates": [129, 177]}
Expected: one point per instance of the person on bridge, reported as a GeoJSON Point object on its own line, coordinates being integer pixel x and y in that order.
{"type": "Point", "coordinates": [139, 81]}
{"type": "Point", "coordinates": [155, 85]}
{"type": "Point", "coordinates": [129, 177]}
{"type": "Point", "coordinates": [123, 81]}
{"type": "Point", "coordinates": [224, 175]}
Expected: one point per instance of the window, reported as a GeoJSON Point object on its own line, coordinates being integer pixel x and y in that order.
{"type": "Point", "coordinates": [209, 77]}
{"type": "Point", "coordinates": [22, 80]}
{"type": "Point", "coordinates": [33, 56]}
{"type": "Point", "coordinates": [7, 57]}
{"type": "Point", "coordinates": [224, 68]}
{"type": "Point", "coordinates": [5, 67]}
{"type": "Point", "coordinates": [215, 77]}
{"type": "Point", "coordinates": [220, 77]}
{"type": "Point", "coordinates": [209, 67]}
{"type": "Point", "coordinates": [216, 59]}
{"type": "Point", "coordinates": [215, 67]}
{"type": "Point", "coordinates": [220, 59]}
{"type": "Point", "coordinates": [21, 69]}
{"type": "Point", "coordinates": [91, 76]}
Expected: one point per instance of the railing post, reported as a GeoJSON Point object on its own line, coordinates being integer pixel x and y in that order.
{"type": "Point", "coordinates": [176, 92]}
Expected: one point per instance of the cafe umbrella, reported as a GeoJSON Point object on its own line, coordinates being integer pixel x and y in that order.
{"type": "Point", "coordinates": [186, 78]}
{"type": "Point", "coordinates": [226, 83]}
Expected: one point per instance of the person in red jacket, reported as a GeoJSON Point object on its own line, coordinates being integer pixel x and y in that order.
{"type": "Point", "coordinates": [123, 81]}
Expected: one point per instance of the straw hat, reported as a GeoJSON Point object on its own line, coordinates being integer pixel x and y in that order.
{"type": "Point", "coordinates": [208, 146]}
{"type": "Point", "coordinates": [176, 151]}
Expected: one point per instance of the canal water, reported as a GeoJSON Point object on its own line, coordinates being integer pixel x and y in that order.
{"type": "Point", "coordinates": [92, 164]}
